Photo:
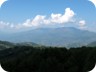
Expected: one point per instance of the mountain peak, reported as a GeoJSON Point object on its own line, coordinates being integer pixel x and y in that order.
{"type": "Point", "coordinates": [61, 36]}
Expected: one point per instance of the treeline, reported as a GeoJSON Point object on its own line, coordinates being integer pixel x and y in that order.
{"type": "Point", "coordinates": [48, 59]}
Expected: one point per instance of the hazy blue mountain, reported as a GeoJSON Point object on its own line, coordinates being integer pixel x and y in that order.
{"type": "Point", "coordinates": [92, 44]}
{"type": "Point", "coordinates": [63, 36]}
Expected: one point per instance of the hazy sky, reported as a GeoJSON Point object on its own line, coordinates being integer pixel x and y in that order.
{"type": "Point", "coordinates": [27, 14]}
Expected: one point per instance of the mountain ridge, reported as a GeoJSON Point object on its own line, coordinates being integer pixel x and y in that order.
{"type": "Point", "coordinates": [62, 36]}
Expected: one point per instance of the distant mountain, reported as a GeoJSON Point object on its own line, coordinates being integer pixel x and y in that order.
{"type": "Point", "coordinates": [63, 36]}
{"type": "Point", "coordinates": [92, 44]}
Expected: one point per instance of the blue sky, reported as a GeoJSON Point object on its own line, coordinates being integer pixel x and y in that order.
{"type": "Point", "coordinates": [27, 14]}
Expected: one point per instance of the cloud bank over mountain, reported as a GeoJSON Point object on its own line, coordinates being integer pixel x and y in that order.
{"type": "Point", "coordinates": [43, 20]}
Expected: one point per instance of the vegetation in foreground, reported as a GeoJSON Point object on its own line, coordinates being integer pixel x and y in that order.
{"type": "Point", "coordinates": [48, 59]}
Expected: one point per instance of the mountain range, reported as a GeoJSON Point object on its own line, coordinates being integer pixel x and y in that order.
{"type": "Point", "coordinates": [92, 44]}
{"type": "Point", "coordinates": [62, 36]}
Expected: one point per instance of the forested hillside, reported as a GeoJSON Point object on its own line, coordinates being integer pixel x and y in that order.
{"type": "Point", "coordinates": [48, 59]}
{"type": "Point", "coordinates": [6, 44]}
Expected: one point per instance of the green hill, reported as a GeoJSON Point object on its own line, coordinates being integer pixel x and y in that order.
{"type": "Point", "coordinates": [5, 44]}
{"type": "Point", "coordinates": [27, 44]}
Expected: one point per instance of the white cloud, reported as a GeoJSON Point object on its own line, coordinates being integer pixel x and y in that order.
{"type": "Point", "coordinates": [54, 18]}
{"type": "Point", "coordinates": [39, 19]}
{"type": "Point", "coordinates": [82, 24]}
{"type": "Point", "coordinates": [42, 20]}
{"type": "Point", "coordinates": [1, 2]}
{"type": "Point", "coordinates": [27, 23]}
{"type": "Point", "coordinates": [66, 17]}
{"type": "Point", "coordinates": [4, 25]}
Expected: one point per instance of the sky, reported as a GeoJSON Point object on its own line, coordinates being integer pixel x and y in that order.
{"type": "Point", "coordinates": [21, 15]}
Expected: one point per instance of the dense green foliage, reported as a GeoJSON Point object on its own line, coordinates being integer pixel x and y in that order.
{"type": "Point", "coordinates": [48, 59]}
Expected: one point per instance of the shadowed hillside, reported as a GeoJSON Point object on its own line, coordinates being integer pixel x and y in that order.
{"type": "Point", "coordinates": [6, 44]}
